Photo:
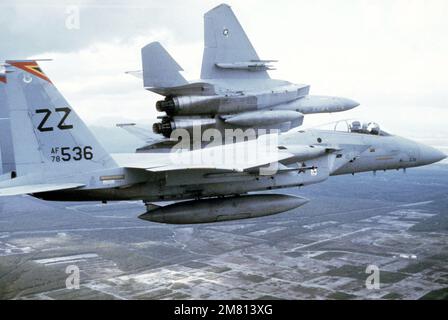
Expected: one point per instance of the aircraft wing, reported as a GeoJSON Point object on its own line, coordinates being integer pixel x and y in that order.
{"type": "Point", "coordinates": [211, 167]}
{"type": "Point", "coordinates": [37, 188]}
{"type": "Point", "coordinates": [234, 163]}
{"type": "Point", "coordinates": [237, 157]}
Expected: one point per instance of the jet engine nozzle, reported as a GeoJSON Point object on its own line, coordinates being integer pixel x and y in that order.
{"type": "Point", "coordinates": [169, 124]}
{"type": "Point", "coordinates": [167, 106]}
{"type": "Point", "coordinates": [189, 105]}
{"type": "Point", "coordinates": [165, 127]}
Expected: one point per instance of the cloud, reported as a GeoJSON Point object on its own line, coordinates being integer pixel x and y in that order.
{"type": "Point", "coordinates": [390, 55]}
{"type": "Point", "coordinates": [35, 27]}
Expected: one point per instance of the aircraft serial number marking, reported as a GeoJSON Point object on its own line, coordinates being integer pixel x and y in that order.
{"type": "Point", "coordinates": [65, 154]}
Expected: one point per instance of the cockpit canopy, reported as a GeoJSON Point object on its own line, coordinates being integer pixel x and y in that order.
{"type": "Point", "coordinates": [355, 126]}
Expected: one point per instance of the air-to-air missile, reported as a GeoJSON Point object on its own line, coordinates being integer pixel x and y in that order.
{"type": "Point", "coordinates": [235, 89]}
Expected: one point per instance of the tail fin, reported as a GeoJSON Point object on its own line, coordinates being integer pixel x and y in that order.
{"type": "Point", "coordinates": [226, 44]}
{"type": "Point", "coordinates": [159, 68]}
{"type": "Point", "coordinates": [47, 134]}
{"type": "Point", "coordinates": [6, 147]}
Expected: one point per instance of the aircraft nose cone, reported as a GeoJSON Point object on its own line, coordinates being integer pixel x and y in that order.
{"type": "Point", "coordinates": [349, 103]}
{"type": "Point", "coordinates": [430, 155]}
{"type": "Point", "coordinates": [352, 103]}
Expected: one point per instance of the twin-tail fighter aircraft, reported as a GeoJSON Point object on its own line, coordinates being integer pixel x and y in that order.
{"type": "Point", "coordinates": [234, 89]}
{"type": "Point", "coordinates": [49, 153]}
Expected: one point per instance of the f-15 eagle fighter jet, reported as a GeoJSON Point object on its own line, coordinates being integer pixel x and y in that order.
{"type": "Point", "coordinates": [235, 89]}
{"type": "Point", "coordinates": [52, 155]}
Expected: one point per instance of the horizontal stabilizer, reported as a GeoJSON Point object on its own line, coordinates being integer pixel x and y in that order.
{"type": "Point", "coordinates": [136, 73]}
{"type": "Point", "coordinates": [139, 132]}
{"type": "Point", "coordinates": [37, 188]}
{"type": "Point", "coordinates": [159, 68]}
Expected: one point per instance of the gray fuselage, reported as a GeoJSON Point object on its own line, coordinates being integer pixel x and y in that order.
{"type": "Point", "coordinates": [356, 152]}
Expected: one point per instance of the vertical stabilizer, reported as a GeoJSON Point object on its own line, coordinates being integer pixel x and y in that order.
{"type": "Point", "coordinates": [160, 70]}
{"type": "Point", "coordinates": [6, 147]}
{"type": "Point", "coordinates": [226, 44]}
{"type": "Point", "coordinates": [47, 134]}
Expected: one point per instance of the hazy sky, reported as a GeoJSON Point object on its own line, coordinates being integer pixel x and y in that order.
{"type": "Point", "coordinates": [390, 55]}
